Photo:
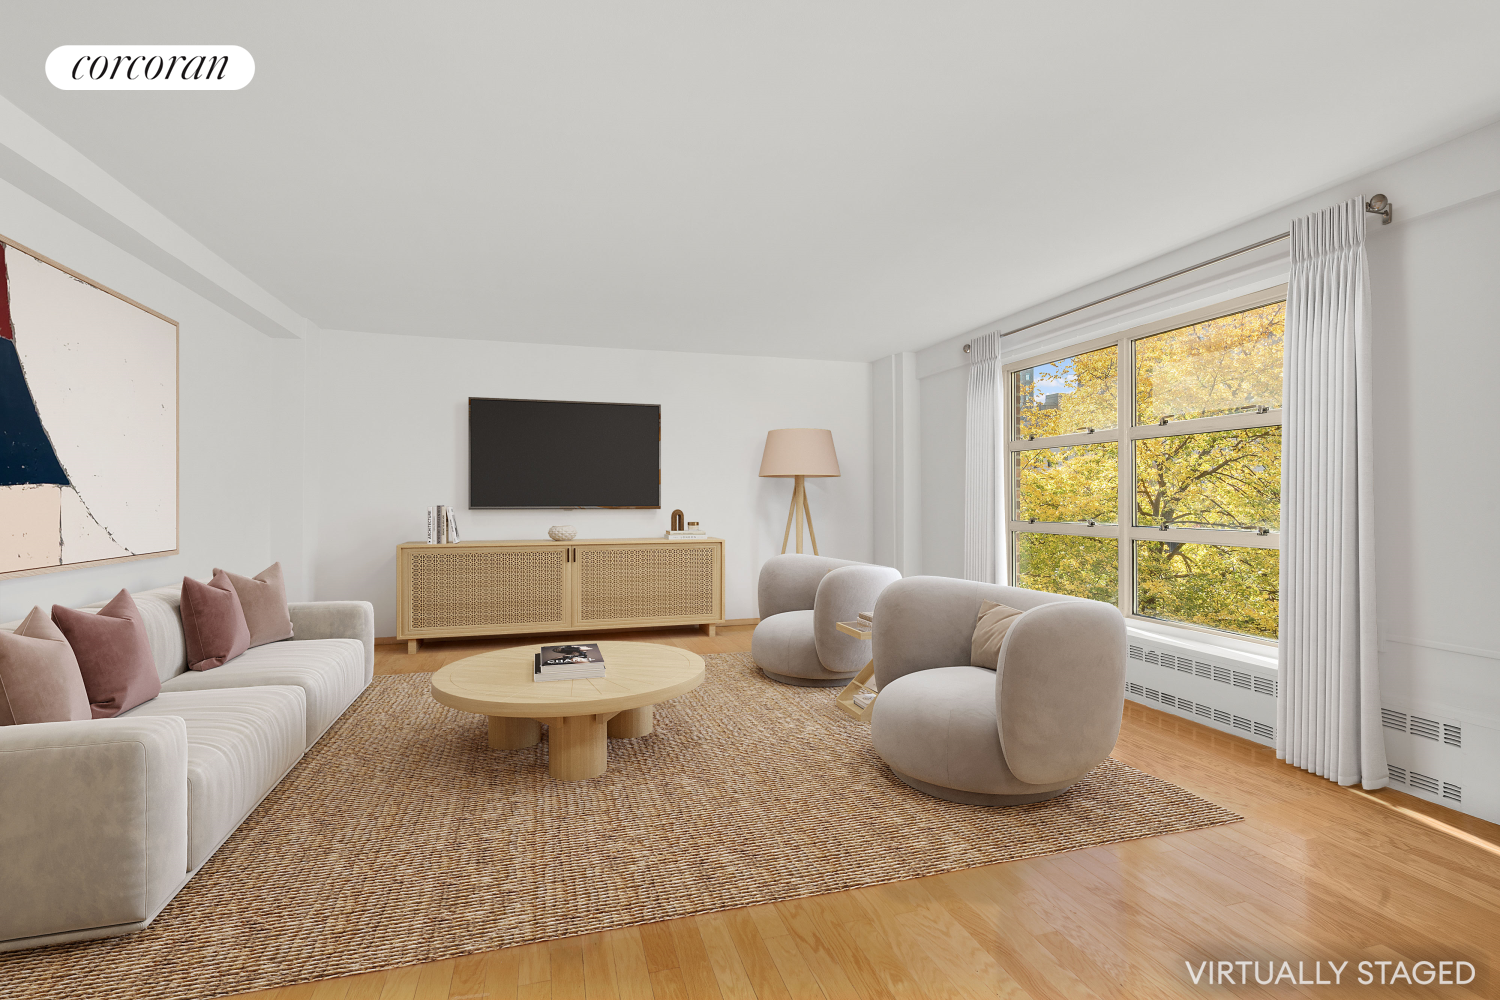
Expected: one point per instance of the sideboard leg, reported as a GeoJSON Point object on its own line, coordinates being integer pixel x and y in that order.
{"type": "Point", "coordinates": [412, 645]}
{"type": "Point", "coordinates": [710, 630]}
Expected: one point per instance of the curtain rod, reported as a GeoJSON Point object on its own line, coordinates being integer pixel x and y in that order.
{"type": "Point", "coordinates": [1379, 205]}
{"type": "Point", "coordinates": [1146, 284]}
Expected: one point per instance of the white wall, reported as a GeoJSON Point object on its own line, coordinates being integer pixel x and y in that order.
{"type": "Point", "coordinates": [225, 435]}
{"type": "Point", "coordinates": [387, 435]}
{"type": "Point", "coordinates": [1437, 355]}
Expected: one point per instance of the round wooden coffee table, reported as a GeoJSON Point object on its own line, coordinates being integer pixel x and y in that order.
{"type": "Point", "coordinates": [580, 715]}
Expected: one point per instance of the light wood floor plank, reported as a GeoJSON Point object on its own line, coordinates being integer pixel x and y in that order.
{"type": "Point", "coordinates": [628, 956]}
{"type": "Point", "coordinates": [598, 969]}
{"type": "Point", "coordinates": [755, 957]}
{"type": "Point", "coordinates": [661, 952]}
{"type": "Point", "coordinates": [667, 984]}
{"type": "Point", "coordinates": [565, 964]}
{"type": "Point", "coordinates": [815, 951]}
{"type": "Point", "coordinates": [470, 978]}
{"type": "Point", "coordinates": [693, 960]}
{"type": "Point", "coordinates": [734, 981]}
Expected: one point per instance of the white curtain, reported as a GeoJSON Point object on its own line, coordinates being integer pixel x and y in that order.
{"type": "Point", "coordinates": [982, 534]}
{"type": "Point", "coordinates": [1328, 714]}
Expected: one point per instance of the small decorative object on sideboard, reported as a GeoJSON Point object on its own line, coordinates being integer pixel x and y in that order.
{"type": "Point", "coordinates": [442, 525]}
{"type": "Point", "coordinates": [562, 532]}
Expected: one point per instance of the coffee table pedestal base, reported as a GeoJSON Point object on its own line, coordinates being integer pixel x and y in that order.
{"type": "Point", "coordinates": [576, 747]}
{"type": "Point", "coordinates": [632, 723]}
{"type": "Point", "coordinates": [514, 734]}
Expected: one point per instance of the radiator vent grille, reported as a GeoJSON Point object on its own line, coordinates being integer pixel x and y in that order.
{"type": "Point", "coordinates": [1397, 773]}
{"type": "Point", "coordinates": [1453, 735]}
{"type": "Point", "coordinates": [1425, 728]}
{"type": "Point", "coordinates": [1242, 680]}
{"type": "Point", "coordinates": [1423, 782]}
{"type": "Point", "coordinates": [1392, 719]}
{"type": "Point", "coordinates": [1453, 792]}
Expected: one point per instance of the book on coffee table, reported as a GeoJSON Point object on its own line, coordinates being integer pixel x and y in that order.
{"type": "Point", "coordinates": [568, 662]}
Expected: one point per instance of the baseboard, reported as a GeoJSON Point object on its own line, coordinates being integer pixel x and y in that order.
{"type": "Point", "coordinates": [390, 640]}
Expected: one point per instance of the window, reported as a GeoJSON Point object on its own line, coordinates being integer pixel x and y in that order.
{"type": "Point", "coordinates": [1145, 469]}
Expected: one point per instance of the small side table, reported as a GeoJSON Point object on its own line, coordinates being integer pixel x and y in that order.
{"type": "Point", "coordinates": [863, 681]}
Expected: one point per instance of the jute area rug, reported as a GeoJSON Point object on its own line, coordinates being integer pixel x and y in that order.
{"type": "Point", "coordinates": [402, 838]}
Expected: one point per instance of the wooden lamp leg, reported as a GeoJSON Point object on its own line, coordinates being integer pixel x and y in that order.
{"type": "Point", "coordinates": [789, 512]}
{"type": "Point", "coordinates": [799, 506]}
{"type": "Point", "coordinates": [808, 511]}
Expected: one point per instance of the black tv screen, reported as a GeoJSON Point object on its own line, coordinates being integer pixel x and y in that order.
{"type": "Point", "coordinates": [553, 453]}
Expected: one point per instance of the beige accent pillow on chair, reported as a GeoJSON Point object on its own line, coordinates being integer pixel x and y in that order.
{"type": "Point", "coordinates": [989, 632]}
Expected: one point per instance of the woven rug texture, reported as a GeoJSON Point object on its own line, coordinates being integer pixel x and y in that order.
{"type": "Point", "coordinates": [402, 838]}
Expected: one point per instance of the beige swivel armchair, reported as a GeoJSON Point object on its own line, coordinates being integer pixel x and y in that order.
{"type": "Point", "coordinates": [1024, 732]}
{"type": "Point", "coordinates": [802, 598]}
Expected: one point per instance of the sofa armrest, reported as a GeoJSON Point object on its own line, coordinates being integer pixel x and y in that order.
{"type": "Point", "coordinates": [93, 823]}
{"type": "Point", "coordinates": [337, 620]}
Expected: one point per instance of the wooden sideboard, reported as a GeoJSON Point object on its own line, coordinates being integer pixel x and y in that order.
{"type": "Point", "coordinates": [509, 587]}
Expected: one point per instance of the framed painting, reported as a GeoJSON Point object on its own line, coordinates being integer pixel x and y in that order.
{"type": "Point", "coordinates": [88, 421]}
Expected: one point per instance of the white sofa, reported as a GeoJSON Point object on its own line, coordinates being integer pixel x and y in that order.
{"type": "Point", "coordinates": [102, 822]}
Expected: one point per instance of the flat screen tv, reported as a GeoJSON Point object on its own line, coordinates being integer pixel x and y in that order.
{"type": "Point", "coordinates": [555, 453]}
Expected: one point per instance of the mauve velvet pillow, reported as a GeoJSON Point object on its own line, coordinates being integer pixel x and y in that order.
{"type": "Point", "coordinates": [39, 678]}
{"type": "Point", "coordinates": [263, 599]}
{"type": "Point", "coordinates": [213, 623]}
{"type": "Point", "coordinates": [114, 655]}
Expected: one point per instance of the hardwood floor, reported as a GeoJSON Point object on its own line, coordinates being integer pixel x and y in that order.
{"type": "Point", "coordinates": [1316, 873]}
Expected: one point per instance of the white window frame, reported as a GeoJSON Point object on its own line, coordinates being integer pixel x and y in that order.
{"type": "Point", "coordinates": [1124, 435]}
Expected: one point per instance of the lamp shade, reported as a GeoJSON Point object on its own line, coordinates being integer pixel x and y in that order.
{"type": "Point", "coordinates": [799, 451]}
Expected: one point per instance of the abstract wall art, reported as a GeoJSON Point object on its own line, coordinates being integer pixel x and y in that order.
{"type": "Point", "coordinates": [88, 421]}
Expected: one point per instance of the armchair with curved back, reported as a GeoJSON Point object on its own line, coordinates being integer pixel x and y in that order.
{"type": "Point", "coordinates": [1024, 732]}
{"type": "Point", "coordinates": [802, 598]}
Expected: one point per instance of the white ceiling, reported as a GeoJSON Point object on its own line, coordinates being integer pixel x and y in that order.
{"type": "Point", "coordinates": [841, 179]}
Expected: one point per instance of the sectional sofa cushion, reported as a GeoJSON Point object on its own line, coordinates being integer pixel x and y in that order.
{"type": "Point", "coordinates": [331, 672]}
{"type": "Point", "coordinates": [213, 623]}
{"type": "Point", "coordinates": [114, 654]}
{"type": "Point", "coordinates": [263, 599]}
{"type": "Point", "coordinates": [39, 677]}
{"type": "Point", "coordinates": [239, 744]}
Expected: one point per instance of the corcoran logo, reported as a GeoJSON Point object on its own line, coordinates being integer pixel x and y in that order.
{"type": "Point", "coordinates": [150, 67]}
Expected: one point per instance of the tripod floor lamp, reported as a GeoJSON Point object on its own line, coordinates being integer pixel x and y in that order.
{"type": "Point", "coordinates": [796, 453]}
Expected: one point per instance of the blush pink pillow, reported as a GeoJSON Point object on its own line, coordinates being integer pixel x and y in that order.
{"type": "Point", "coordinates": [213, 623]}
{"type": "Point", "coordinates": [263, 599]}
{"type": "Point", "coordinates": [114, 655]}
{"type": "Point", "coordinates": [39, 678]}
